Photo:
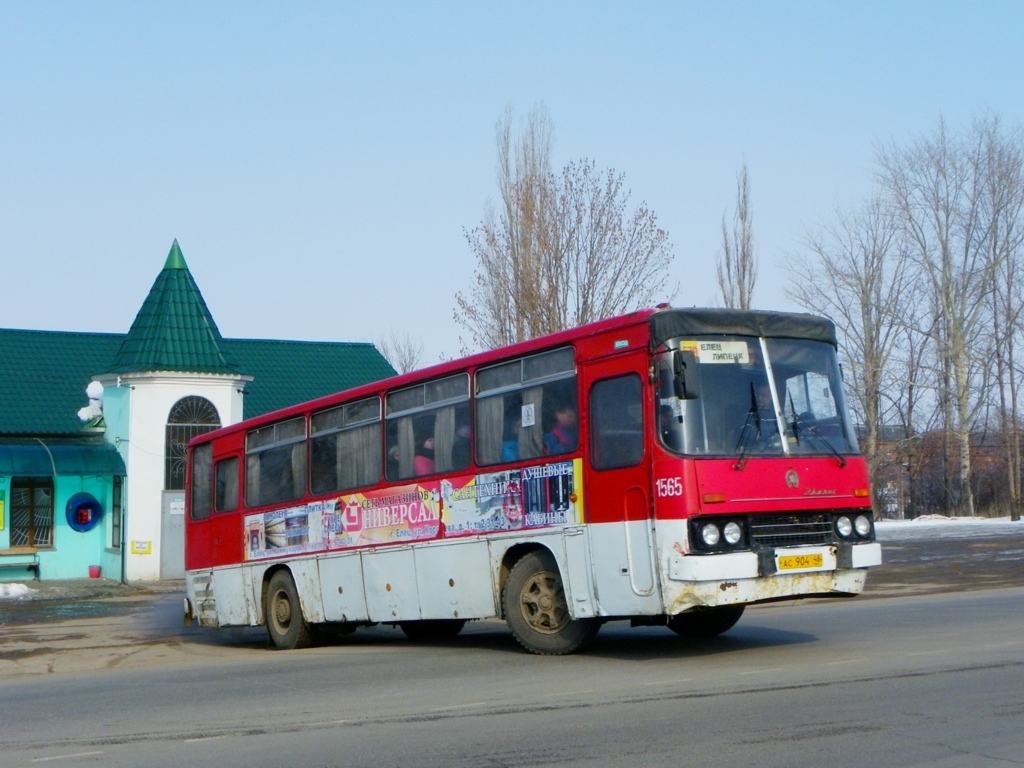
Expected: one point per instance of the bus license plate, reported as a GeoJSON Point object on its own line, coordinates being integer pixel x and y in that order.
{"type": "Point", "coordinates": [795, 562]}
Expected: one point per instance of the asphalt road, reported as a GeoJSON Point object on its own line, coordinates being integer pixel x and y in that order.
{"type": "Point", "coordinates": [919, 680]}
{"type": "Point", "coordinates": [929, 676]}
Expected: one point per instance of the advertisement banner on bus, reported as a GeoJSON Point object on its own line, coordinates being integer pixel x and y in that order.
{"type": "Point", "coordinates": [529, 497]}
{"type": "Point", "coordinates": [513, 499]}
{"type": "Point", "coordinates": [404, 513]}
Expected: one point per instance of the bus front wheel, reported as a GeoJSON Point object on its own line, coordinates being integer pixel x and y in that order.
{"type": "Point", "coordinates": [536, 609]}
{"type": "Point", "coordinates": [705, 623]}
{"type": "Point", "coordinates": [285, 625]}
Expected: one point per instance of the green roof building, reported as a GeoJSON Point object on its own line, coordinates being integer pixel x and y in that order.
{"type": "Point", "coordinates": [92, 482]}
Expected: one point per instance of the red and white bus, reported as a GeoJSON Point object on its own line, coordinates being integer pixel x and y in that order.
{"type": "Point", "coordinates": [670, 466]}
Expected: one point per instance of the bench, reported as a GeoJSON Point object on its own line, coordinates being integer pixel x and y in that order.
{"type": "Point", "coordinates": [27, 559]}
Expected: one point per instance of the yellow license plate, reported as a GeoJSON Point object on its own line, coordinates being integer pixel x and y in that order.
{"type": "Point", "coordinates": [795, 562]}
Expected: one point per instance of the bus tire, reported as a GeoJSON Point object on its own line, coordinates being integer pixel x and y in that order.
{"type": "Point", "coordinates": [705, 623]}
{"type": "Point", "coordinates": [432, 629]}
{"type": "Point", "coordinates": [286, 626]}
{"type": "Point", "coordinates": [536, 609]}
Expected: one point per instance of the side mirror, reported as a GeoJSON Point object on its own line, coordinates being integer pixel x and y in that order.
{"type": "Point", "coordinates": [686, 380]}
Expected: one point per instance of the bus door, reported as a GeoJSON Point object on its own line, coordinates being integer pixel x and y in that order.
{"type": "Point", "coordinates": [618, 483]}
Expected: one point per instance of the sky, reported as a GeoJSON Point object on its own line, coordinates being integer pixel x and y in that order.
{"type": "Point", "coordinates": [319, 163]}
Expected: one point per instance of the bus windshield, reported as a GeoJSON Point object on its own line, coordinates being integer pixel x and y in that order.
{"type": "Point", "coordinates": [752, 397]}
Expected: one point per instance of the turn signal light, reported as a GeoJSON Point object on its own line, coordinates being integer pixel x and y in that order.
{"type": "Point", "coordinates": [713, 498]}
{"type": "Point", "coordinates": [861, 493]}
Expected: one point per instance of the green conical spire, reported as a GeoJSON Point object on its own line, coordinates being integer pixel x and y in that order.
{"type": "Point", "coordinates": [174, 259]}
{"type": "Point", "coordinates": [174, 330]}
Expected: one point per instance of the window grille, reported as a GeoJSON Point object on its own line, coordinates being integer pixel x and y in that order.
{"type": "Point", "coordinates": [191, 416]}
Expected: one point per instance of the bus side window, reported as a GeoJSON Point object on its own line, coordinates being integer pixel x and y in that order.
{"type": "Point", "coordinates": [226, 496]}
{"type": "Point", "coordinates": [428, 428]}
{"type": "Point", "coordinates": [616, 423]}
{"type": "Point", "coordinates": [275, 463]}
{"type": "Point", "coordinates": [522, 405]}
{"type": "Point", "coordinates": [202, 481]}
{"type": "Point", "coordinates": [345, 450]}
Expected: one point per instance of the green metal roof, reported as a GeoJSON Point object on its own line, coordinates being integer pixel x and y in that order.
{"type": "Point", "coordinates": [49, 458]}
{"type": "Point", "coordinates": [174, 330]}
{"type": "Point", "coordinates": [289, 372]}
{"type": "Point", "coordinates": [43, 376]}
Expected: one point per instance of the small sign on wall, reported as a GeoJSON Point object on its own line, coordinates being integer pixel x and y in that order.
{"type": "Point", "coordinates": [140, 547]}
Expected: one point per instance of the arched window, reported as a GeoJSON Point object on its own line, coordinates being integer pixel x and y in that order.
{"type": "Point", "coordinates": [189, 417]}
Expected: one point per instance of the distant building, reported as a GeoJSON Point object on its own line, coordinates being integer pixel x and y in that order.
{"type": "Point", "coordinates": [96, 480]}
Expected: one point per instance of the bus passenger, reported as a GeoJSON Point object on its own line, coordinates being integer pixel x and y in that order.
{"type": "Point", "coordinates": [563, 435]}
{"type": "Point", "coordinates": [510, 436]}
{"type": "Point", "coordinates": [460, 448]}
{"type": "Point", "coordinates": [423, 461]}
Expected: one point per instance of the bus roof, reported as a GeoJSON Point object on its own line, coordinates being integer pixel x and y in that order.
{"type": "Point", "coordinates": [665, 322]}
{"type": "Point", "coordinates": [671, 323]}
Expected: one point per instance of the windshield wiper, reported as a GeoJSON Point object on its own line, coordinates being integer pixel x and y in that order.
{"type": "Point", "coordinates": [810, 431]}
{"type": "Point", "coordinates": [753, 418]}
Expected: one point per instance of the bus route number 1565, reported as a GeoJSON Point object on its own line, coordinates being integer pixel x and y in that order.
{"type": "Point", "coordinates": [669, 486]}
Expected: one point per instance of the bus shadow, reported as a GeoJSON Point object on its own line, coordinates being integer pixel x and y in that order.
{"type": "Point", "coordinates": [658, 643]}
{"type": "Point", "coordinates": [616, 640]}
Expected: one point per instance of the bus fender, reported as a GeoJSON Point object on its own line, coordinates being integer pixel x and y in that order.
{"type": "Point", "coordinates": [305, 575]}
{"type": "Point", "coordinates": [576, 573]}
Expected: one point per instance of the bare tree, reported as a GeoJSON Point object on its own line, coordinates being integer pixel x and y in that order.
{"type": "Point", "coordinates": [399, 349]}
{"type": "Point", "coordinates": [562, 251]}
{"type": "Point", "coordinates": [855, 270]}
{"type": "Point", "coordinates": [906, 393]}
{"type": "Point", "coordinates": [1003, 200]}
{"type": "Point", "coordinates": [508, 244]}
{"type": "Point", "coordinates": [936, 185]}
{"type": "Point", "coordinates": [735, 265]}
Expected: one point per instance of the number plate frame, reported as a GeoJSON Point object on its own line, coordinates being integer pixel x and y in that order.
{"type": "Point", "coordinates": [801, 562]}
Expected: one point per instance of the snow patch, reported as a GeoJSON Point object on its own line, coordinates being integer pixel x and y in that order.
{"type": "Point", "coordinates": [14, 591]}
{"type": "Point", "coordinates": [942, 527]}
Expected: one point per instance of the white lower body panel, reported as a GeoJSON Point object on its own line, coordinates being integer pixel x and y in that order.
{"type": "Point", "coordinates": [608, 570]}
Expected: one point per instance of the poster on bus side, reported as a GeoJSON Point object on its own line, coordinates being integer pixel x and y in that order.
{"type": "Point", "coordinates": [513, 499]}
{"type": "Point", "coordinates": [291, 531]}
{"type": "Point", "coordinates": [403, 513]}
{"type": "Point", "coordinates": [539, 496]}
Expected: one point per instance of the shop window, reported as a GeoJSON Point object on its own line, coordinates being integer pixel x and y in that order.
{"type": "Point", "coordinates": [115, 512]}
{"type": "Point", "coordinates": [31, 512]}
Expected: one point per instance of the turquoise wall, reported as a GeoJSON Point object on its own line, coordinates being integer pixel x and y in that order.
{"type": "Point", "coordinates": [116, 406]}
{"type": "Point", "coordinates": [73, 551]}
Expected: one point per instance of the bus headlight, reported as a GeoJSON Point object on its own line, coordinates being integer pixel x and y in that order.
{"type": "Point", "coordinates": [732, 533]}
{"type": "Point", "coordinates": [844, 527]}
{"type": "Point", "coordinates": [709, 534]}
{"type": "Point", "coordinates": [863, 526]}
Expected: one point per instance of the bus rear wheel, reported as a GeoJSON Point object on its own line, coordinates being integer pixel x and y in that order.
{"type": "Point", "coordinates": [536, 609]}
{"type": "Point", "coordinates": [432, 629]}
{"type": "Point", "coordinates": [705, 623]}
{"type": "Point", "coordinates": [287, 628]}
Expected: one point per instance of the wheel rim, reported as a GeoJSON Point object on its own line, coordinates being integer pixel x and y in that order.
{"type": "Point", "coordinates": [281, 611]}
{"type": "Point", "coordinates": [543, 603]}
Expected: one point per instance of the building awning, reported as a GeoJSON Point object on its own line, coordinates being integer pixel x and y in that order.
{"type": "Point", "coordinates": [45, 458]}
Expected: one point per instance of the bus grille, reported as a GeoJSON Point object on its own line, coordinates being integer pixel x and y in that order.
{"type": "Point", "coordinates": [792, 530]}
